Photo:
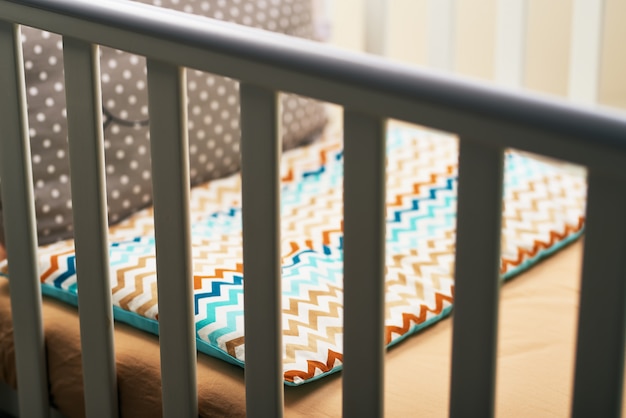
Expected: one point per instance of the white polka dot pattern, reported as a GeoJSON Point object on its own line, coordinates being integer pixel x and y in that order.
{"type": "Point", "coordinates": [213, 114]}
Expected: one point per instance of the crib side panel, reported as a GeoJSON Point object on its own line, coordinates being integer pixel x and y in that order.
{"type": "Point", "coordinates": [370, 90]}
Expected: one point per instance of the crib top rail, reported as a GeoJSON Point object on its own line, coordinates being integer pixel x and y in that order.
{"type": "Point", "coordinates": [530, 122]}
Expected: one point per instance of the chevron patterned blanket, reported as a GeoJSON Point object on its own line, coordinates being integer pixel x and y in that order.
{"type": "Point", "coordinates": [543, 210]}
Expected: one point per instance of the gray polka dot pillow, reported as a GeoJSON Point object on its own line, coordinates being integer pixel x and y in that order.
{"type": "Point", "coordinates": [213, 114]}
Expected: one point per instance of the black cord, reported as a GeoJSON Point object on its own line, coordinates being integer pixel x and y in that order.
{"type": "Point", "coordinates": [111, 118]}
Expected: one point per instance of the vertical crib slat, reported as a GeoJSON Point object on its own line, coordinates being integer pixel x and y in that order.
{"type": "Point", "coordinates": [170, 181]}
{"type": "Point", "coordinates": [510, 42]}
{"type": "Point", "coordinates": [364, 264]}
{"type": "Point", "coordinates": [376, 26]}
{"type": "Point", "coordinates": [476, 279]}
{"type": "Point", "coordinates": [598, 378]}
{"type": "Point", "coordinates": [86, 151]}
{"type": "Point", "coordinates": [20, 228]}
{"type": "Point", "coordinates": [441, 33]}
{"type": "Point", "coordinates": [260, 155]}
{"type": "Point", "coordinates": [585, 47]}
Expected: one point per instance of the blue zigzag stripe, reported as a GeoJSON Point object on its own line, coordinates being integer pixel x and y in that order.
{"type": "Point", "coordinates": [234, 294]}
{"type": "Point", "coordinates": [121, 256]}
{"type": "Point", "coordinates": [395, 231]}
{"type": "Point", "coordinates": [294, 275]}
{"type": "Point", "coordinates": [71, 271]}
{"type": "Point", "coordinates": [216, 290]}
{"type": "Point", "coordinates": [432, 196]}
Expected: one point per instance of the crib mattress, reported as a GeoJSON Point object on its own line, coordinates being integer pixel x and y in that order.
{"type": "Point", "coordinates": [536, 352]}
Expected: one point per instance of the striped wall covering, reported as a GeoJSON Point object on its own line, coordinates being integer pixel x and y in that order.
{"type": "Point", "coordinates": [543, 210]}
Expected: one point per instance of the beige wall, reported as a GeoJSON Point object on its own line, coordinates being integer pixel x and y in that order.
{"type": "Point", "coordinates": [547, 42]}
{"type": "Point", "coordinates": [547, 50]}
{"type": "Point", "coordinates": [613, 66]}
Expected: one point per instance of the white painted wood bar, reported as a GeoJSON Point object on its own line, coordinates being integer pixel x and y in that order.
{"type": "Point", "coordinates": [20, 228]}
{"type": "Point", "coordinates": [86, 152]}
{"type": "Point", "coordinates": [167, 100]}
{"type": "Point", "coordinates": [599, 370]}
{"type": "Point", "coordinates": [477, 279]}
{"type": "Point", "coordinates": [260, 155]}
{"type": "Point", "coordinates": [364, 264]}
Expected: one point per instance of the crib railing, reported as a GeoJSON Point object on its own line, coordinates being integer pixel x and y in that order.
{"type": "Point", "coordinates": [371, 90]}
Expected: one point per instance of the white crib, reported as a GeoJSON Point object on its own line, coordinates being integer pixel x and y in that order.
{"type": "Point", "coordinates": [370, 90]}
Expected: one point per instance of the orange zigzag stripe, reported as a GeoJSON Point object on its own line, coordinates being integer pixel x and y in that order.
{"type": "Point", "coordinates": [407, 318]}
{"type": "Point", "coordinates": [523, 254]}
{"type": "Point", "coordinates": [326, 234]}
{"type": "Point", "coordinates": [331, 359]}
{"type": "Point", "coordinates": [219, 274]}
{"type": "Point", "coordinates": [294, 248]}
{"type": "Point", "coordinates": [54, 264]}
{"type": "Point", "coordinates": [417, 186]}
{"type": "Point", "coordinates": [287, 177]}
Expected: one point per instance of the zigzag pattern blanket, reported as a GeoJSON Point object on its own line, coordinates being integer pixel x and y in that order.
{"type": "Point", "coordinates": [543, 210]}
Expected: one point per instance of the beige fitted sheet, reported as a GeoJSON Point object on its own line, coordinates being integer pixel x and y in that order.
{"type": "Point", "coordinates": [537, 328]}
